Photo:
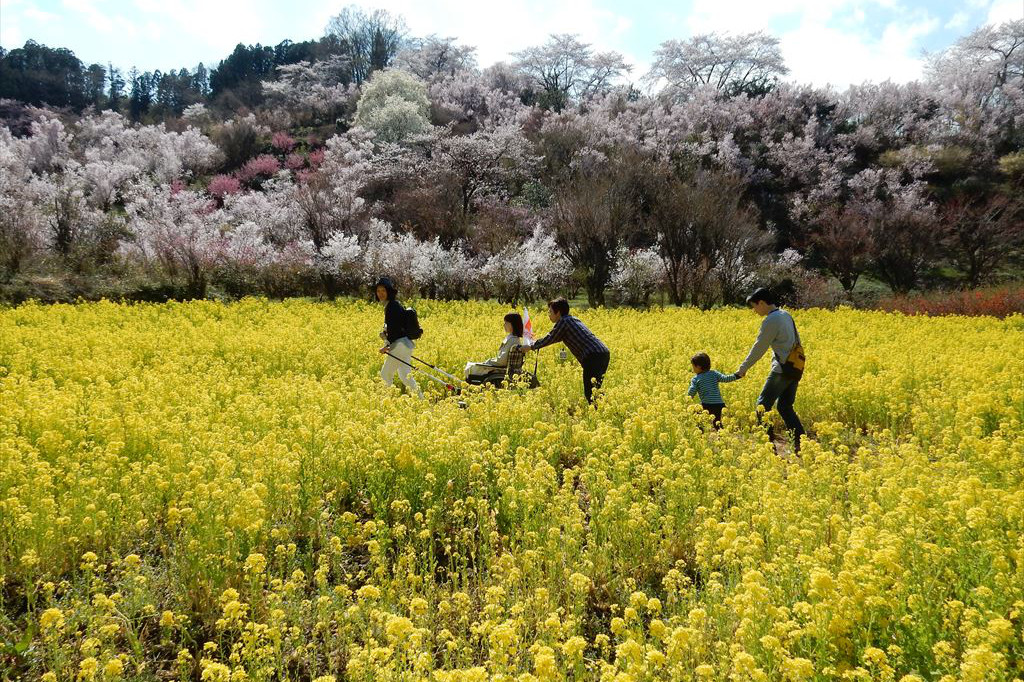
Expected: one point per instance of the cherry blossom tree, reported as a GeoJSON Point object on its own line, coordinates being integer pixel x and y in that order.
{"type": "Point", "coordinates": [979, 82]}
{"type": "Point", "coordinates": [468, 102]}
{"type": "Point", "coordinates": [904, 226]}
{"type": "Point", "coordinates": [21, 222]}
{"type": "Point", "coordinates": [315, 91]}
{"type": "Point", "coordinates": [48, 147]}
{"type": "Point", "coordinates": [728, 64]}
{"type": "Point", "coordinates": [273, 209]}
{"type": "Point", "coordinates": [110, 142]}
{"type": "Point", "coordinates": [340, 257]}
{"type": "Point", "coordinates": [566, 70]}
{"type": "Point", "coordinates": [68, 219]}
{"type": "Point", "coordinates": [433, 58]}
{"type": "Point", "coordinates": [178, 233]}
{"type": "Point", "coordinates": [483, 163]}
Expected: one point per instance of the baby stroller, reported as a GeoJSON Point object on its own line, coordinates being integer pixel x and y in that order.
{"type": "Point", "coordinates": [509, 375]}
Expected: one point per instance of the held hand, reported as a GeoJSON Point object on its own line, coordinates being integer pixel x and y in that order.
{"type": "Point", "coordinates": [740, 374]}
{"type": "Point", "coordinates": [384, 350]}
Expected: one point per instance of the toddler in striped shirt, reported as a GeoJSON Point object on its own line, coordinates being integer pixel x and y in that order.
{"type": "Point", "coordinates": [705, 383]}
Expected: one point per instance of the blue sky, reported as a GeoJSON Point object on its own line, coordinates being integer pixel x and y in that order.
{"type": "Point", "coordinates": [824, 41]}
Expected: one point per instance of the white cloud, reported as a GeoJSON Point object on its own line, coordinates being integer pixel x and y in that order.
{"type": "Point", "coordinates": [97, 19]}
{"type": "Point", "coordinates": [36, 14]}
{"type": "Point", "coordinates": [218, 26]}
{"type": "Point", "coordinates": [10, 28]}
{"type": "Point", "coordinates": [958, 21]}
{"type": "Point", "coordinates": [821, 55]}
{"type": "Point", "coordinates": [831, 43]}
{"type": "Point", "coordinates": [1005, 10]}
{"type": "Point", "coordinates": [102, 19]}
{"type": "Point", "coordinates": [742, 16]}
{"type": "Point", "coordinates": [10, 34]}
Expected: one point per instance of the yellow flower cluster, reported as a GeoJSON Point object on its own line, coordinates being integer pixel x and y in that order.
{"type": "Point", "coordinates": [227, 492]}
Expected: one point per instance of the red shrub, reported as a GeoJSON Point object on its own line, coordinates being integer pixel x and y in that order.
{"type": "Point", "coordinates": [995, 301]}
{"type": "Point", "coordinates": [295, 162]}
{"type": "Point", "coordinates": [316, 158]}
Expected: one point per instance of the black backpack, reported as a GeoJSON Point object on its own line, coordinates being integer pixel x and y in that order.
{"type": "Point", "coordinates": [412, 324]}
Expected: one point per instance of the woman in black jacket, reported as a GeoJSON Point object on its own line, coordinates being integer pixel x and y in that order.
{"type": "Point", "coordinates": [399, 346]}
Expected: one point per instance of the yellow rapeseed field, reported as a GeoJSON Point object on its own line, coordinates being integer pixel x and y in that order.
{"type": "Point", "coordinates": [227, 492]}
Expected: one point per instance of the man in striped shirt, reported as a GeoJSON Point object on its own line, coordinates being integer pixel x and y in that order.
{"type": "Point", "coordinates": [581, 342]}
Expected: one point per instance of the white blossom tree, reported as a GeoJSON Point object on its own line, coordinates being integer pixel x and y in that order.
{"type": "Point", "coordinates": [728, 64]}
{"type": "Point", "coordinates": [179, 232]}
{"type": "Point", "coordinates": [566, 70]}
{"type": "Point", "coordinates": [394, 105]}
{"type": "Point", "coordinates": [21, 221]}
{"type": "Point", "coordinates": [639, 274]}
{"type": "Point", "coordinates": [434, 58]}
{"type": "Point", "coordinates": [313, 91]}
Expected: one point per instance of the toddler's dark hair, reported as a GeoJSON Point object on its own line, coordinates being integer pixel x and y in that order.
{"type": "Point", "coordinates": [701, 361]}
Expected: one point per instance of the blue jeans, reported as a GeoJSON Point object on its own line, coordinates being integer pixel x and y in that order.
{"type": "Point", "coordinates": [781, 390]}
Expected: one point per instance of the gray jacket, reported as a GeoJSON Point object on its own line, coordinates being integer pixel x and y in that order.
{"type": "Point", "coordinates": [778, 332]}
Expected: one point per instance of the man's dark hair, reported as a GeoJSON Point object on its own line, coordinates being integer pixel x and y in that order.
{"type": "Point", "coordinates": [702, 361]}
{"type": "Point", "coordinates": [516, 320]}
{"type": "Point", "coordinates": [762, 294]}
{"type": "Point", "coordinates": [559, 305]}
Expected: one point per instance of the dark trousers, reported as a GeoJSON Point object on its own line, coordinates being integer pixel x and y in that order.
{"type": "Point", "coordinates": [594, 367]}
{"type": "Point", "coordinates": [781, 390]}
{"type": "Point", "coordinates": [716, 411]}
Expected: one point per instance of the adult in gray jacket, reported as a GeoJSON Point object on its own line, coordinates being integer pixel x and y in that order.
{"type": "Point", "coordinates": [778, 332]}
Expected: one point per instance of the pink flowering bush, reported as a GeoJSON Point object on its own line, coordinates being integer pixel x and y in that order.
{"type": "Point", "coordinates": [258, 169]}
{"type": "Point", "coordinates": [223, 185]}
{"type": "Point", "coordinates": [283, 142]}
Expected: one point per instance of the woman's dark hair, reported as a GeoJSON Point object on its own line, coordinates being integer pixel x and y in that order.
{"type": "Point", "coordinates": [763, 294]}
{"type": "Point", "coordinates": [516, 320]}
{"type": "Point", "coordinates": [560, 306]}
{"type": "Point", "coordinates": [702, 361]}
{"type": "Point", "coordinates": [388, 285]}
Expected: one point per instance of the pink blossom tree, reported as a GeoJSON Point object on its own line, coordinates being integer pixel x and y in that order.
{"type": "Point", "coordinates": [255, 171]}
{"type": "Point", "coordinates": [220, 186]}
{"type": "Point", "coordinates": [283, 142]}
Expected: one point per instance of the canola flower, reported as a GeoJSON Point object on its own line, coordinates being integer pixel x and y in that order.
{"type": "Point", "coordinates": [227, 492]}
